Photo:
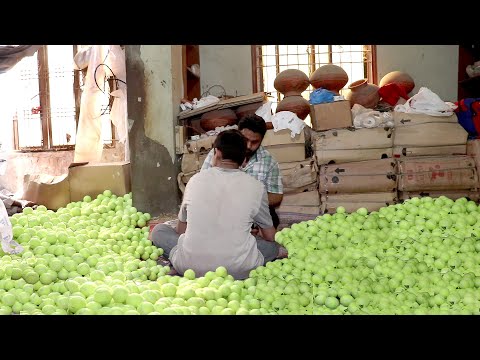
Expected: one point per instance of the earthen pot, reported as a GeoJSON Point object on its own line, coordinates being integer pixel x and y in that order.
{"type": "Point", "coordinates": [330, 77]}
{"type": "Point", "coordinates": [400, 78]}
{"type": "Point", "coordinates": [296, 104]}
{"type": "Point", "coordinates": [248, 109]}
{"type": "Point", "coordinates": [216, 118]}
{"type": "Point", "coordinates": [291, 82]}
{"type": "Point", "coordinates": [362, 93]}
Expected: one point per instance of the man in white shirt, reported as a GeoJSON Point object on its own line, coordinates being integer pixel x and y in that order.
{"type": "Point", "coordinates": [259, 163]}
{"type": "Point", "coordinates": [220, 204]}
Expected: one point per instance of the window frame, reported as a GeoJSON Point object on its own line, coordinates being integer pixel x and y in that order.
{"type": "Point", "coordinates": [257, 71]}
{"type": "Point", "coordinates": [46, 123]}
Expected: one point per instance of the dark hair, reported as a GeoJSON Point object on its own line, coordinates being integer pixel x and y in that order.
{"type": "Point", "coordinates": [254, 123]}
{"type": "Point", "coordinates": [232, 144]}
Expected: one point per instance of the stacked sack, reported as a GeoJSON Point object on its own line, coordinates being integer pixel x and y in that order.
{"type": "Point", "coordinates": [194, 154]}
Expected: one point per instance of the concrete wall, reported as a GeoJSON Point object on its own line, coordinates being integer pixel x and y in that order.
{"type": "Point", "coordinates": [48, 162]}
{"type": "Point", "coordinates": [432, 66]}
{"type": "Point", "coordinates": [155, 87]}
{"type": "Point", "coordinates": [226, 65]}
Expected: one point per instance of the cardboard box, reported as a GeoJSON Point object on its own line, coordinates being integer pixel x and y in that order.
{"type": "Point", "coordinates": [354, 139]}
{"type": "Point", "coordinates": [282, 137]}
{"type": "Point", "coordinates": [358, 177]}
{"type": "Point", "coordinates": [336, 115]}
{"type": "Point", "coordinates": [93, 179]}
{"type": "Point", "coordinates": [50, 191]}
{"type": "Point", "coordinates": [437, 173]}
{"type": "Point", "coordinates": [473, 150]}
{"type": "Point", "coordinates": [410, 151]}
{"type": "Point", "coordinates": [406, 119]}
{"type": "Point", "coordinates": [430, 134]}
{"type": "Point", "coordinates": [287, 152]}
{"type": "Point", "coordinates": [454, 195]}
{"type": "Point", "coordinates": [352, 202]}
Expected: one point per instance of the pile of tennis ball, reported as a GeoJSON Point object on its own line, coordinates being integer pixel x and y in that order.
{"type": "Point", "coordinates": [94, 257]}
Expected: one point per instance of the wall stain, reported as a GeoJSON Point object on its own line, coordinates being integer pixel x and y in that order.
{"type": "Point", "coordinates": [152, 191]}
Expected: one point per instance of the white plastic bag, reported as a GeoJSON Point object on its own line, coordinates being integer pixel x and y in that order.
{"type": "Point", "coordinates": [368, 118]}
{"type": "Point", "coordinates": [426, 102]}
{"type": "Point", "coordinates": [9, 245]}
{"type": "Point", "coordinates": [265, 111]}
{"type": "Point", "coordinates": [287, 120]}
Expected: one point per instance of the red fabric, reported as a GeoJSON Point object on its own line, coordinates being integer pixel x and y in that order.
{"type": "Point", "coordinates": [392, 92]}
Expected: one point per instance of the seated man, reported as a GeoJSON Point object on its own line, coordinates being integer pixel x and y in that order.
{"type": "Point", "coordinates": [218, 208]}
{"type": "Point", "coordinates": [259, 163]}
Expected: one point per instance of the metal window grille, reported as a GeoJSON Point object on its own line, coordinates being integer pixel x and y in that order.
{"type": "Point", "coordinates": [48, 111]}
{"type": "Point", "coordinates": [269, 60]}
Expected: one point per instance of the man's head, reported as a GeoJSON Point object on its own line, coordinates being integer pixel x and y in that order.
{"type": "Point", "coordinates": [253, 127]}
{"type": "Point", "coordinates": [230, 145]}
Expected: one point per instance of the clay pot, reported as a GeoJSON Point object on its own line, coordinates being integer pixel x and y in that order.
{"type": "Point", "coordinates": [362, 93]}
{"type": "Point", "coordinates": [330, 77]}
{"type": "Point", "coordinates": [400, 78]}
{"type": "Point", "coordinates": [291, 82]}
{"type": "Point", "coordinates": [248, 109]}
{"type": "Point", "coordinates": [296, 104]}
{"type": "Point", "coordinates": [212, 119]}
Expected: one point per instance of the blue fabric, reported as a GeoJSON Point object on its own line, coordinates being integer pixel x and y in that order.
{"type": "Point", "coordinates": [320, 96]}
{"type": "Point", "coordinates": [469, 117]}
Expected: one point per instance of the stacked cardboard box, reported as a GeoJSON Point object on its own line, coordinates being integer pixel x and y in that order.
{"type": "Point", "coordinates": [370, 184]}
{"type": "Point", "coordinates": [437, 175]}
{"type": "Point", "coordinates": [300, 200]}
{"type": "Point", "coordinates": [299, 176]}
{"type": "Point", "coordinates": [350, 145]}
{"type": "Point", "coordinates": [425, 135]}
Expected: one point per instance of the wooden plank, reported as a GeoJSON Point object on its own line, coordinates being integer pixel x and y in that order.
{"type": "Point", "coordinates": [224, 104]}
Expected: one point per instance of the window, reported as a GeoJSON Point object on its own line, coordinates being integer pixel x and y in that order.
{"type": "Point", "coordinates": [47, 97]}
{"type": "Point", "coordinates": [269, 60]}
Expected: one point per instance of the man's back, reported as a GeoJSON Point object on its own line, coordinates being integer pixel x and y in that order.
{"type": "Point", "coordinates": [220, 205]}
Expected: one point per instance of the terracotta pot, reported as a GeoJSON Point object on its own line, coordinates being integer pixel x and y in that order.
{"type": "Point", "coordinates": [330, 77]}
{"type": "Point", "coordinates": [296, 104]}
{"type": "Point", "coordinates": [362, 93]}
{"type": "Point", "coordinates": [212, 119]}
{"type": "Point", "coordinates": [248, 109]}
{"type": "Point", "coordinates": [291, 82]}
{"type": "Point", "coordinates": [400, 78]}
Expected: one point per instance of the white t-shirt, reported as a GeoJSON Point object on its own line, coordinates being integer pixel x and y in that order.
{"type": "Point", "coordinates": [219, 206]}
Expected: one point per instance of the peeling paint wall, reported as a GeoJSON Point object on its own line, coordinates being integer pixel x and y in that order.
{"type": "Point", "coordinates": [154, 85]}
{"type": "Point", "coordinates": [432, 66]}
{"type": "Point", "coordinates": [226, 65]}
{"type": "Point", "coordinates": [158, 95]}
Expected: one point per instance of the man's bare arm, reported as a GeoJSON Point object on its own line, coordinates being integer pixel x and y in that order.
{"type": "Point", "coordinates": [181, 227]}
{"type": "Point", "coordinates": [274, 199]}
